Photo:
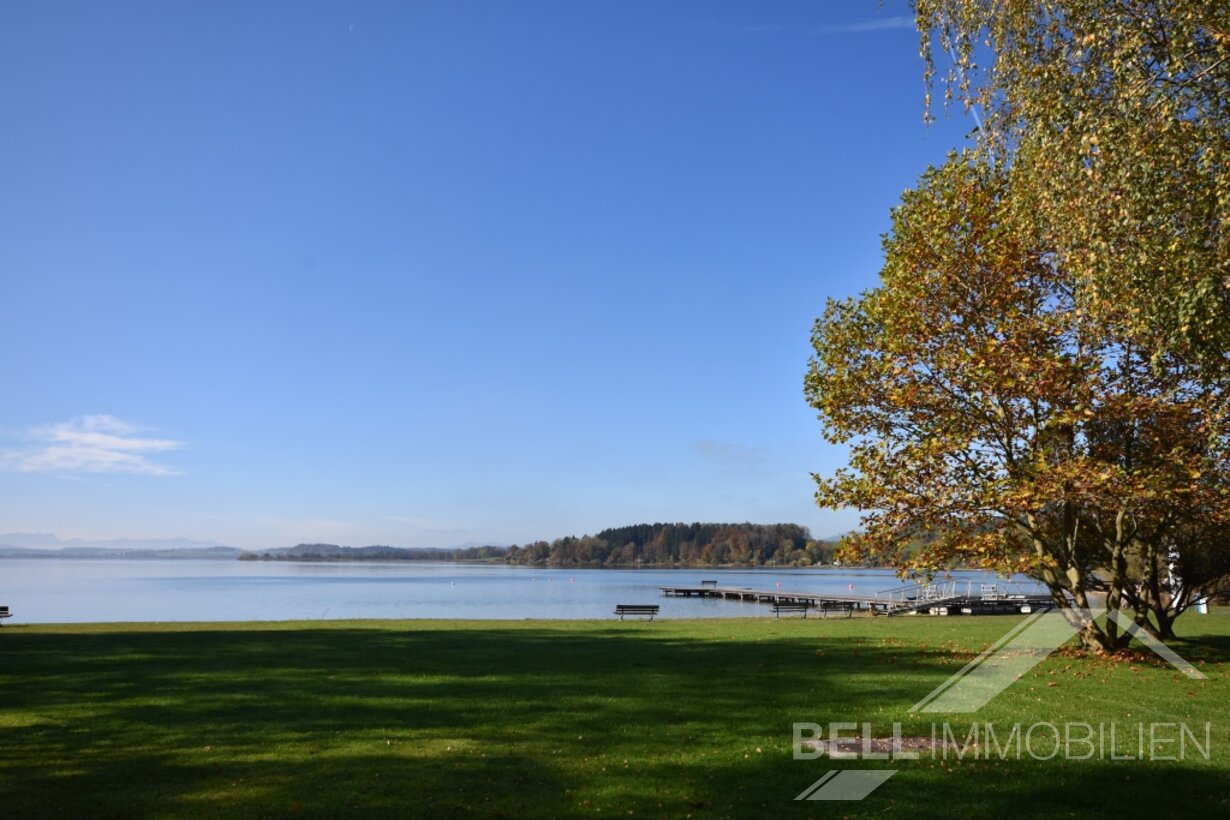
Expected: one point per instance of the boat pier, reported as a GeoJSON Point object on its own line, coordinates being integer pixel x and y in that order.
{"type": "Point", "coordinates": [943, 598]}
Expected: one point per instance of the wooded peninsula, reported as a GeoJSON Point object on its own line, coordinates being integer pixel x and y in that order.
{"type": "Point", "coordinates": [640, 545]}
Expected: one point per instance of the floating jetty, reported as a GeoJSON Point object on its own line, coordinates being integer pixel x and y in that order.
{"type": "Point", "coordinates": [943, 598]}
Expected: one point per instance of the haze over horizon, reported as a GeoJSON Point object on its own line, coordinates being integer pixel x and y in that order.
{"type": "Point", "coordinates": [433, 274]}
{"type": "Point", "coordinates": [50, 541]}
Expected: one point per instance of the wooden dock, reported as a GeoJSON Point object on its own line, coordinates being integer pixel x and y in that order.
{"type": "Point", "coordinates": [944, 598]}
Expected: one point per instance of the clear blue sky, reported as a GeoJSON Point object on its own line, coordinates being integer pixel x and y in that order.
{"type": "Point", "coordinates": [426, 273]}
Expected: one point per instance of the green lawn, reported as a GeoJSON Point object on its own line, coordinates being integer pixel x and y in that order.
{"type": "Point", "coordinates": [541, 719]}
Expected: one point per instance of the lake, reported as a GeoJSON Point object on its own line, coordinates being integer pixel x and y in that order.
{"type": "Point", "coordinates": [96, 591]}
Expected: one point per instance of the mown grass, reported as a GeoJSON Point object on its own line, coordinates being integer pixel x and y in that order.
{"type": "Point", "coordinates": [561, 719]}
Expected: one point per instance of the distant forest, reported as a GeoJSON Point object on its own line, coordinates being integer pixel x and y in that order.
{"type": "Point", "coordinates": [681, 545]}
{"type": "Point", "coordinates": [644, 545]}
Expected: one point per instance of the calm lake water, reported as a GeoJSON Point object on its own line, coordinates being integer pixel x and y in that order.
{"type": "Point", "coordinates": [56, 591]}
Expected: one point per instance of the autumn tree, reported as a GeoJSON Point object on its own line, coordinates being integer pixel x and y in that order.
{"type": "Point", "coordinates": [1114, 116]}
{"type": "Point", "coordinates": [993, 420]}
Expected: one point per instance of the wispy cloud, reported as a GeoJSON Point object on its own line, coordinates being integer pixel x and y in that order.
{"type": "Point", "coordinates": [312, 530]}
{"type": "Point", "coordinates": [730, 455]}
{"type": "Point", "coordinates": [90, 444]}
{"type": "Point", "coordinates": [894, 23]}
{"type": "Point", "coordinates": [433, 525]}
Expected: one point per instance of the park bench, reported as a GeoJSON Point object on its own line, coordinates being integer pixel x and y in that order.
{"type": "Point", "coordinates": [779, 608]}
{"type": "Point", "coordinates": [4, 612]}
{"type": "Point", "coordinates": [836, 606]}
{"type": "Point", "coordinates": [710, 584]}
{"type": "Point", "coordinates": [636, 609]}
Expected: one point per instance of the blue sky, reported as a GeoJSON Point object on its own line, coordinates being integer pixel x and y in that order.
{"type": "Point", "coordinates": [427, 273]}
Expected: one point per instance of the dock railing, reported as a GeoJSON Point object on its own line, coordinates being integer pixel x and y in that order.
{"type": "Point", "coordinates": [916, 595]}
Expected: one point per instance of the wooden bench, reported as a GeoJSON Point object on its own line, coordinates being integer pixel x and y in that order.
{"type": "Point", "coordinates": [836, 606]}
{"type": "Point", "coordinates": [636, 609]}
{"type": "Point", "coordinates": [779, 608]}
{"type": "Point", "coordinates": [4, 612]}
{"type": "Point", "coordinates": [710, 584]}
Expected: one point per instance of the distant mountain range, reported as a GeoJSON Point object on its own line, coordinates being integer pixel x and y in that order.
{"type": "Point", "coordinates": [47, 541]}
{"type": "Point", "coordinates": [227, 553]}
{"type": "Point", "coordinates": [46, 545]}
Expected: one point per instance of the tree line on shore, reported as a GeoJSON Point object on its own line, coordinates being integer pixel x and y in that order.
{"type": "Point", "coordinates": [681, 545]}
{"type": "Point", "coordinates": [640, 545]}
